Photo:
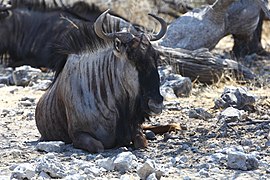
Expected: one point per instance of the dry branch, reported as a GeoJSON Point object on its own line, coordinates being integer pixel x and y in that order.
{"type": "Point", "coordinates": [201, 65]}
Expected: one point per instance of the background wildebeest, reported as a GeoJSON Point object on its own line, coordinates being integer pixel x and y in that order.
{"type": "Point", "coordinates": [107, 87]}
{"type": "Point", "coordinates": [28, 32]}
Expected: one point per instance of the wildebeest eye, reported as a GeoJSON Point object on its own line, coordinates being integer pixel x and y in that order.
{"type": "Point", "coordinates": [117, 44]}
{"type": "Point", "coordinates": [4, 14]}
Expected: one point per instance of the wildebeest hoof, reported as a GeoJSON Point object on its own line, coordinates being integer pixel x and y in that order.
{"type": "Point", "coordinates": [140, 141]}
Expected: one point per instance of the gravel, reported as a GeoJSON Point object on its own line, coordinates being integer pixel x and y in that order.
{"type": "Point", "coordinates": [200, 150]}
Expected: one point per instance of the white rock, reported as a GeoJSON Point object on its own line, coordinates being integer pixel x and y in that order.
{"type": "Point", "coordinates": [51, 165]}
{"type": "Point", "coordinates": [231, 114]}
{"type": "Point", "coordinates": [23, 171]}
{"type": "Point", "coordinates": [79, 177]}
{"type": "Point", "coordinates": [128, 177]}
{"type": "Point", "coordinates": [26, 103]}
{"type": "Point", "coordinates": [242, 161]}
{"type": "Point", "coordinates": [167, 93]}
{"type": "Point", "coordinates": [50, 146]}
{"type": "Point", "coordinates": [236, 97]}
{"type": "Point", "coordinates": [152, 177]}
{"type": "Point", "coordinates": [92, 170]}
{"type": "Point", "coordinates": [106, 163]}
{"type": "Point", "coordinates": [124, 161]}
{"type": "Point", "coordinates": [186, 178]}
{"type": "Point", "coordinates": [42, 85]}
{"type": "Point", "coordinates": [203, 173]}
{"type": "Point", "coordinates": [24, 74]}
{"type": "Point", "coordinates": [231, 148]}
{"type": "Point", "coordinates": [43, 176]}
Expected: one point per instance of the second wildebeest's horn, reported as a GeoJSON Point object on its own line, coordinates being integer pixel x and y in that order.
{"type": "Point", "coordinates": [162, 31]}
{"type": "Point", "coordinates": [98, 27]}
{"type": "Point", "coordinates": [123, 36]}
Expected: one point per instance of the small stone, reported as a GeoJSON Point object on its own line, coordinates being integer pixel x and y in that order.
{"type": "Point", "coordinates": [167, 93]}
{"type": "Point", "coordinates": [26, 103]}
{"type": "Point", "coordinates": [181, 86]}
{"type": "Point", "coordinates": [267, 143]}
{"type": "Point", "coordinates": [99, 156]}
{"type": "Point", "coordinates": [92, 170]}
{"type": "Point", "coordinates": [51, 165]}
{"type": "Point", "coordinates": [25, 74]}
{"type": "Point", "coordinates": [218, 157]}
{"type": "Point", "coordinates": [23, 171]}
{"type": "Point", "coordinates": [182, 159]}
{"type": "Point", "coordinates": [42, 175]}
{"type": "Point", "coordinates": [42, 85]}
{"type": "Point", "coordinates": [237, 97]}
{"type": "Point", "coordinates": [185, 146]}
{"type": "Point", "coordinates": [215, 170]}
{"type": "Point", "coordinates": [186, 178]}
{"type": "Point", "coordinates": [230, 114]}
{"type": "Point", "coordinates": [146, 169]}
{"type": "Point", "coordinates": [128, 177]}
{"type": "Point", "coordinates": [124, 161]}
{"type": "Point", "coordinates": [199, 113]}
{"type": "Point", "coordinates": [14, 90]}
{"type": "Point", "coordinates": [31, 99]}
{"type": "Point", "coordinates": [246, 142]}
{"type": "Point", "coordinates": [79, 177]}
{"type": "Point", "coordinates": [203, 173]}
{"type": "Point", "coordinates": [106, 163]}
{"type": "Point", "coordinates": [150, 135]}
{"type": "Point", "coordinates": [50, 146]}
{"type": "Point", "coordinates": [213, 145]}
{"type": "Point", "coordinates": [242, 161]}
{"type": "Point", "coordinates": [152, 177]}
{"type": "Point", "coordinates": [4, 80]}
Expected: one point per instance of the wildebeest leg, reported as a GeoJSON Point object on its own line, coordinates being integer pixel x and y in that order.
{"type": "Point", "coordinates": [139, 140]}
{"type": "Point", "coordinates": [83, 140]}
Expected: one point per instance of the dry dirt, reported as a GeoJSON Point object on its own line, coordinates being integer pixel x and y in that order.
{"type": "Point", "coordinates": [18, 133]}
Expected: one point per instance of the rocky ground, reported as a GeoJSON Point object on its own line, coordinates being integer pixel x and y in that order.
{"type": "Point", "coordinates": [215, 142]}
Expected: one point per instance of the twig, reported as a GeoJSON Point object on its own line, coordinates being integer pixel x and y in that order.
{"type": "Point", "coordinates": [249, 122]}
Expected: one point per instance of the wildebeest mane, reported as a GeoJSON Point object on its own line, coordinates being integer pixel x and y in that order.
{"type": "Point", "coordinates": [77, 40]}
{"type": "Point", "coordinates": [39, 5]}
{"type": "Point", "coordinates": [79, 9]}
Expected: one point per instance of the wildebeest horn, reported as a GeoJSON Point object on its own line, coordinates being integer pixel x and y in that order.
{"type": "Point", "coordinates": [162, 31]}
{"type": "Point", "coordinates": [98, 27]}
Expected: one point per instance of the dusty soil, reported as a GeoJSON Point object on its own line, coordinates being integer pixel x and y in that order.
{"type": "Point", "coordinates": [19, 135]}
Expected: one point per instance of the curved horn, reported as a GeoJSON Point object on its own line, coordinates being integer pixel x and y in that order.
{"type": "Point", "coordinates": [98, 27]}
{"type": "Point", "coordinates": [162, 31]}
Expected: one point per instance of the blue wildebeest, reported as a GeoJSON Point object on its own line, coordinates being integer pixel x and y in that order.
{"type": "Point", "coordinates": [28, 30]}
{"type": "Point", "coordinates": [106, 88]}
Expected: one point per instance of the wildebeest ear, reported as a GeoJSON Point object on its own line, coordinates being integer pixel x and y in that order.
{"type": "Point", "coordinates": [117, 44]}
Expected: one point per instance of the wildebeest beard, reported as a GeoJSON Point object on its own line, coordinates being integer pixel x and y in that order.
{"type": "Point", "coordinates": [149, 80]}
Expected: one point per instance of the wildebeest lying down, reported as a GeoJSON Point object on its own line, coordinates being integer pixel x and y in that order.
{"type": "Point", "coordinates": [105, 90]}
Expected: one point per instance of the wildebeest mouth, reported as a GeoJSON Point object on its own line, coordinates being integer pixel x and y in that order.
{"type": "Point", "coordinates": [155, 108]}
